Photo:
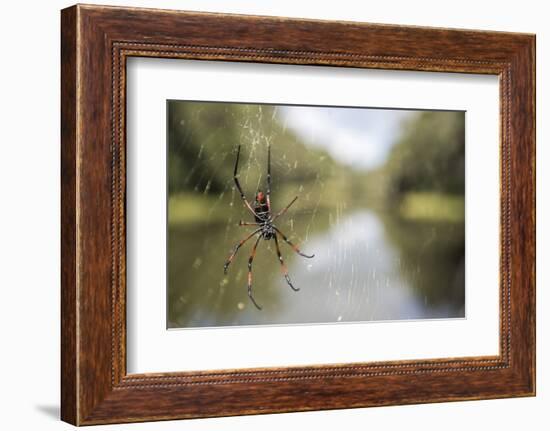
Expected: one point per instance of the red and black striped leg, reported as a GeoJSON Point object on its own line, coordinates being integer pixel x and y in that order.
{"type": "Point", "coordinates": [268, 194]}
{"type": "Point", "coordinates": [294, 247]}
{"type": "Point", "coordinates": [250, 259]}
{"type": "Point", "coordinates": [284, 210]}
{"type": "Point", "coordinates": [283, 266]}
{"type": "Point", "coordinates": [236, 179]}
{"type": "Point", "coordinates": [236, 249]}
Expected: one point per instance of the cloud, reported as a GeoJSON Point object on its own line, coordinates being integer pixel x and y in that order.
{"type": "Point", "coordinates": [358, 137]}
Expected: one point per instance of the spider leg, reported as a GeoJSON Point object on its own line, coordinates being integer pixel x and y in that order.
{"type": "Point", "coordinates": [245, 223]}
{"type": "Point", "coordinates": [236, 179]}
{"type": "Point", "coordinates": [236, 249]}
{"type": "Point", "coordinates": [294, 247]}
{"type": "Point", "coordinates": [268, 192]}
{"type": "Point", "coordinates": [250, 259]}
{"type": "Point", "coordinates": [283, 266]}
{"type": "Point", "coordinates": [285, 209]}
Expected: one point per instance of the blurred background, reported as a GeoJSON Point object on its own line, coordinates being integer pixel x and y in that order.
{"type": "Point", "coordinates": [380, 204]}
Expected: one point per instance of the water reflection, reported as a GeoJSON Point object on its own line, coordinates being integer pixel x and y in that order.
{"type": "Point", "coordinates": [368, 266]}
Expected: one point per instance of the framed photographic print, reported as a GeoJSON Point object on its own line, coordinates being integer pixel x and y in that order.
{"type": "Point", "coordinates": [316, 215]}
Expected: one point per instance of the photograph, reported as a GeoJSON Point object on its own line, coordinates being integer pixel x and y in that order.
{"type": "Point", "coordinates": [299, 214]}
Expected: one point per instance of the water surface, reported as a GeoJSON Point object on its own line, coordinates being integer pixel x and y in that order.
{"type": "Point", "coordinates": [368, 266]}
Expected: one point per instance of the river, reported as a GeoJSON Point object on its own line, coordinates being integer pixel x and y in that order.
{"type": "Point", "coordinates": [368, 266]}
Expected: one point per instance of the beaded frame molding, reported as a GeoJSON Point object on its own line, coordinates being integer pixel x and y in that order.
{"type": "Point", "coordinates": [95, 43]}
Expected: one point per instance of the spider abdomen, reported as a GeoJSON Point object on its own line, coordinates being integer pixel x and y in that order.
{"type": "Point", "coordinates": [262, 212]}
{"type": "Point", "coordinates": [269, 235]}
{"type": "Point", "coordinates": [267, 231]}
{"type": "Point", "coordinates": [262, 216]}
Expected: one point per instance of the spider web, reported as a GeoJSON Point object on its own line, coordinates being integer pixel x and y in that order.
{"type": "Point", "coordinates": [356, 274]}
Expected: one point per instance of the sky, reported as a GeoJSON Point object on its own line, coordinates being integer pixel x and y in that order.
{"type": "Point", "coordinates": [358, 137]}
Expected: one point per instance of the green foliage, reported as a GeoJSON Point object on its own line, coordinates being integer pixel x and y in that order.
{"type": "Point", "coordinates": [203, 138]}
{"type": "Point", "coordinates": [432, 206]}
{"type": "Point", "coordinates": [194, 139]}
{"type": "Point", "coordinates": [429, 155]}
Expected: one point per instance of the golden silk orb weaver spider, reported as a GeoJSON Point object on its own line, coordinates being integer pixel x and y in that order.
{"type": "Point", "coordinates": [265, 227]}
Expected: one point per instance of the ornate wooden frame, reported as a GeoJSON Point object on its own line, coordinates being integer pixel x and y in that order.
{"type": "Point", "coordinates": [95, 43]}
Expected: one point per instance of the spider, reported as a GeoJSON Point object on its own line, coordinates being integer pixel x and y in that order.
{"type": "Point", "coordinates": [264, 219]}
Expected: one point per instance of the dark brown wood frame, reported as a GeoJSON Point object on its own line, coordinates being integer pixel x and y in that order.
{"type": "Point", "coordinates": [95, 43]}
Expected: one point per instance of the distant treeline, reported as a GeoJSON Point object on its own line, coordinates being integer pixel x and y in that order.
{"type": "Point", "coordinates": [429, 156]}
